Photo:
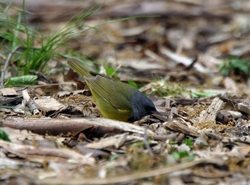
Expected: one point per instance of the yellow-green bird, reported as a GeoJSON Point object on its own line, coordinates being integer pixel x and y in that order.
{"type": "Point", "coordinates": [115, 99]}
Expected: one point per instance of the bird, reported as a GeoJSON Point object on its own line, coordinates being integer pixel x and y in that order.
{"type": "Point", "coordinates": [115, 99]}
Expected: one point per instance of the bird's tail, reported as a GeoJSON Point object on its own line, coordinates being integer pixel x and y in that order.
{"type": "Point", "coordinates": [79, 67]}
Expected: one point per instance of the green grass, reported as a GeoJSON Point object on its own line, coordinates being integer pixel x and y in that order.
{"type": "Point", "coordinates": [30, 57]}
{"type": "Point", "coordinates": [22, 52]}
{"type": "Point", "coordinates": [25, 55]}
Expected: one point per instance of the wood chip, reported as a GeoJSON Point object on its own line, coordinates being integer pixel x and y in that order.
{"type": "Point", "coordinates": [244, 107]}
{"type": "Point", "coordinates": [49, 104]}
{"type": "Point", "coordinates": [179, 127]}
{"type": "Point", "coordinates": [210, 113]}
{"type": "Point", "coordinates": [8, 92]}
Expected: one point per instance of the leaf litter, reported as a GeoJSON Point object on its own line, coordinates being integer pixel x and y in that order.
{"type": "Point", "coordinates": [200, 137]}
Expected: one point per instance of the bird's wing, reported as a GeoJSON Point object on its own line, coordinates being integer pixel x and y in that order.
{"type": "Point", "coordinates": [111, 91]}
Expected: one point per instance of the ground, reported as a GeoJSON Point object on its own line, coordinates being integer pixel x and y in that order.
{"type": "Point", "coordinates": [189, 57]}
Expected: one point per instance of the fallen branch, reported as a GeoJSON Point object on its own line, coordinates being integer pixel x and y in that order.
{"type": "Point", "coordinates": [64, 126]}
{"type": "Point", "coordinates": [28, 152]}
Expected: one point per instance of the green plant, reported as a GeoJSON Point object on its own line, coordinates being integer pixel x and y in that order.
{"type": "Point", "coordinates": [188, 142]}
{"type": "Point", "coordinates": [133, 83]}
{"type": "Point", "coordinates": [235, 65]}
{"type": "Point", "coordinates": [26, 54]}
{"type": "Point", "coordinates": [198, 94]}
{"type": "Point", "coordinates": [183, 155]}
{"type": "Point", "coordinates": [4, 136]}
{"type": "Point", "coordinates": [21, 80]}
{"type": "Point", "coordinates": [110, 71]}
{"type": "Point", "coordinates": [23, 51]}
{"type": "Point", "coordinates": [165, 88]}
{"type": "Point", "coordinates": [31, 57]}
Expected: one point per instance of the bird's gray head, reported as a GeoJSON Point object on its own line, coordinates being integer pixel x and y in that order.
{"type": "Point", "coordinates": [142, 106]}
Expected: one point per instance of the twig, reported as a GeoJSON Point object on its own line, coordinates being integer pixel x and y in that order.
{"type": "Point", "coordinates": [145, 138]}
{"type": "Point", "coordinates": [30, 102]}
{"type": "Point", "coordinates": [6, 64]}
